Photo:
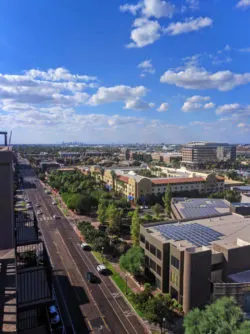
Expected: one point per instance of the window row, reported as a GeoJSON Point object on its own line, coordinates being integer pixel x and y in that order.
{"type": "Point", "coordinates": [153, 250]}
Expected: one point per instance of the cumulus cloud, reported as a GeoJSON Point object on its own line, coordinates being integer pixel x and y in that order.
{"type": "Point", "coordinates": [131, 96]}
{"type": "Point", "coordinates": [146, 68]}
{"type": "Point", "coordinates": [189, 25]}
{"type": "Point", "coordinates": [150, 8]}
{"type": "Point", "coordinates": [199, 78]}
{"type": "Point", "coordinates": [144, 32]}
{"type": "Point", "coordinates": [133, 9]}
{"type": "Point", "coordinates": [163, 107]}
{"type": "Point", "coordinates": [243, 4]}
{"type": "Point", "coordinates": [158, 8]}
{"type": "Point", "coordinates": [197, 103]}
{"type": "Point", "coordinates": [234, 109]}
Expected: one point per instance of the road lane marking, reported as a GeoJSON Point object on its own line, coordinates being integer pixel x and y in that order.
{"type": "Point", "coordinates": [85, 285]}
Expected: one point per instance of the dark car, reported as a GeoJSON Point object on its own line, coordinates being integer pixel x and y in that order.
{"type": "Point", "coordinates": [91, 277]}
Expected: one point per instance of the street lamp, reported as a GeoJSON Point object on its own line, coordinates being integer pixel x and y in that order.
{"type": "Point", "coordinates": [126, 279]}
{"type": "Point", "coordinates": [163, 325]}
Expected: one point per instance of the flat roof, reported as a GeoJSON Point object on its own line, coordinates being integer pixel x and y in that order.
{"type": "Point", "coordinates": [189, 208]}
{"type": "Point", "coordinates": [178, 180]}
{"type": "Point", "coordinates": [229, 231]}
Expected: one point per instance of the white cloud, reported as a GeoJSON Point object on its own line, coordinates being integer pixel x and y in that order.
{"type": "Point", "coordinates": [199, 78]}
{"type": "Point", "coordinates": [131, 96]}
{"type": "Point", "coordinates": [147, 68]}
{"type": "Point", "coordinates": [133, 9]}
{"type": "Point", "coordinates": [139, 105]}
{"type": "Point", "coordinates": [163, 107]}
{"type": "Point", "coordinates": [191, 24]}
{"type": "Point", "coordinates": [57, 74]}
{"type": "Point", "coordinates": [197, 103]}
{"type": "Point", "coordinates": [144, 32]}
{"type": "Point", "coordinates": [243, 4]}
{"type": "Point", "coordinates": [158, 8]}
{"type": "Point", "coordinates": [235, 109]}
{"type": "Point", "coordinates": [193, 4]}
{"type": "Point", "coordinates": [150, 8]}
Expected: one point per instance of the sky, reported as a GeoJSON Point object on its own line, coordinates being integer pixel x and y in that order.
{"type": "Point", "coordinates": [117, 71]}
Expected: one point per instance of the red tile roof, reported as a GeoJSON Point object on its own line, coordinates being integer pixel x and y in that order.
{"type": "Point", "coordinates": [178, 180]}
{"type": "Point", "coordinates": [123, 178]}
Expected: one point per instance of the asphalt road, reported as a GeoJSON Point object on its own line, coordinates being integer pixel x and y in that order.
{"type": "Point", "coordinates": [85, 307]}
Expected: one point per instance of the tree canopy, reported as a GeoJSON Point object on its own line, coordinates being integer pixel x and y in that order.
{"type": "Point", "coordinates": [135, 227]}
{"type": "Point", "coordinates": [167, 200]}
{"type": "Point", "coordinates": [224, 316]}
{"type": "Point", "coordinates": [132, 260]}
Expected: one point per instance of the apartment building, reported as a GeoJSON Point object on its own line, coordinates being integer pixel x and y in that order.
{"type": "Point", "coordinates": [198, 154]}
{"type": "Point", "coordinates": [198, 260]}
{"type": "Point", "coordinates": [136, 187]}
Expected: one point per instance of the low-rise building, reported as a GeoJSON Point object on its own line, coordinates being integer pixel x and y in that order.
{"type": "Point", "coordinates": [191, 208]}
{"type": "Point", "coordinates": [194, 261]}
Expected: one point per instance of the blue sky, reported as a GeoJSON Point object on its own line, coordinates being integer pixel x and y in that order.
{"type": "Point", "coordinates": [120, 71]}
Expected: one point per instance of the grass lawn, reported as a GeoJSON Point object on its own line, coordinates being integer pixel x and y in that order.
{"type": "Point", "coordinates": [119, 281]}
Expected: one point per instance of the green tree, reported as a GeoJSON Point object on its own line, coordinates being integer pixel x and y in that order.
{"type": "Point", "coordinates": [114, 216]}
{"type": "Point", "coordinates": [167, 200]}
{"type": "Point", "coordinates": [223, 316]}
{"type": "Point", "coordinates": [157, 209]}
{"type": "Point", "coordinates": [132, 260]}
{"type": "Point", "coordinates": [101, 212]}
{"type": "Point", "coordinates": [159, 308]}
{"type": "Point", "coordinates": [135, 227]}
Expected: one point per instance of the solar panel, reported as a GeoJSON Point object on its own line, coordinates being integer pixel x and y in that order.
{"type": "Point", "coordinates": [195, 233]}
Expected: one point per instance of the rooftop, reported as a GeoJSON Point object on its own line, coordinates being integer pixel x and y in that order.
{"type": "Point", "coordinates": [200, 207]}
{"type": "Point", "coordinates": [178, 180]}
{"type": "Point", "coordinates": [228, 231]}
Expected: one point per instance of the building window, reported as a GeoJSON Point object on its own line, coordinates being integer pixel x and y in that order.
{"type": "Point", "coordinates": [147, 245]}
{"type": "Point", "coordinates": [174, 278]}
{"type": "Point", "coordinates": [152, 265]}
{"type": "Point", "coordinates": [146, 260]}
{"type": "Point", "coordinates": [158, 270]}
{"type": "Point", "coordinates": [142, 238]}
{"type": "Point", "coordinates": [152, 249]}
{"type": "Point", "coordinates": [175, 262]}
{"type": "Point", "coordinates": [158, 254]}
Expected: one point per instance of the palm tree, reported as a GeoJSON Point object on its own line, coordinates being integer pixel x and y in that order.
{"type": "Point", "coordinates": [113, 175]}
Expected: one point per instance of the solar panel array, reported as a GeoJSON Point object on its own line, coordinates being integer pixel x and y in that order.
{"type": "Point", "coordinates": [201, 207]}
{"type": "Point", "coordinates": [195, 233]}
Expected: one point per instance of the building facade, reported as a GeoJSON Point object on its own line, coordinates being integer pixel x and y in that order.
{"type": "Point", "coordinates": [191, 259]}
{"type": "Point", "coordinates": [198, 154]}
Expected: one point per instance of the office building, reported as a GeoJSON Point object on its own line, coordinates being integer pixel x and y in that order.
{"type": "Point", "coordinates": [198, 154]}
{"type": "Point", "coordinates": [199, 260]}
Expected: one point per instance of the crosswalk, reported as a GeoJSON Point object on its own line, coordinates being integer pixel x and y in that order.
{"type": "Point", "coordinates": [45, 218]}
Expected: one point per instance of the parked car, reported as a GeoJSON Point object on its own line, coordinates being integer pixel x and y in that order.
{"type": "Point", "coordinates": [85, 246]}
{"type": "Point", "coordinates": [56, 217]}
{"type": "Point", "coordinates": [37, 205]}
{"type": "Point", "coordinates": [39, 212]}
{"type": "Point", "coordinates": [91, 277]}
{"type": "Point", "coordinates": [54, 203]}
{"type": "Point", "coordinates": [55, 319]}
{"type": "Point", "coordinates": [101, 268]}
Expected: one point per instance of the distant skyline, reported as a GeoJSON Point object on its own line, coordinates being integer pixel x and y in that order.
{"type": "Point", "coordinates": [117, 71]}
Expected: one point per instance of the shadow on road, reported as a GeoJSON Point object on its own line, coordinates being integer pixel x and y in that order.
{"type": "Point", "coordinates": [73, 297]}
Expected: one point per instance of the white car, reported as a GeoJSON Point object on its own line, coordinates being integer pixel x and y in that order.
{"type": "Point", "coordinates": [101, 268]}
{"type": "Point", "coordinates": [85, 246]}
{"type": "Point", "coordinates": [54, 203]}
{"type": "Point", "coordinates": [39, 212]}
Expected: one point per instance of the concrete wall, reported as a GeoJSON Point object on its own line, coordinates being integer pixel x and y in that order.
{"type": "Point", "coordinates": [6, 200]}
{"type": "Point", "coordinates": [196, 279]}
